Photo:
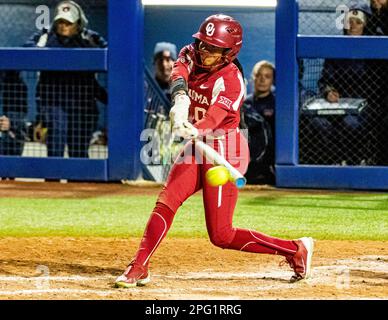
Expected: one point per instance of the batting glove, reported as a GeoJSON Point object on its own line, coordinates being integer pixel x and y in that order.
{"type": "Point", "coordinates": [179, 113]}
{"type": "Point", "coordinates": [186, 130]}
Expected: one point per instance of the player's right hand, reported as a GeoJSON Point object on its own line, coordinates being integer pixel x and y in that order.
{"type": "Point", "coordinates": [185, 130]}
{"type": "Point", "coordinates": [180, 110]}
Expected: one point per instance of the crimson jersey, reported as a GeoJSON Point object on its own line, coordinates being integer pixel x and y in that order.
{"type": "Point", "coordinates": [223, 88]}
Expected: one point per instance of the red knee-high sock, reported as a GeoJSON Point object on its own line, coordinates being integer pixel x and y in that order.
{"type": "Point", "coordinates": [253, 241]}
{"type": "Point", "coordinates": [158, 225]}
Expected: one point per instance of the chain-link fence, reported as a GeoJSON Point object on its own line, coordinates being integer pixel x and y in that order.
{"type": "Point", "coordinates": [56, 114]}
{"type": "Point", "coordinates": [343, 102]}
{"type": "Point", "coordinates": [319, 17]}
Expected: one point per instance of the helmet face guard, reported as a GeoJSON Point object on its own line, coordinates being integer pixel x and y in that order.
{"type": "Point", "coordinates": [219, 31]}
{"type": "Point", "coordinates": [202, 54]}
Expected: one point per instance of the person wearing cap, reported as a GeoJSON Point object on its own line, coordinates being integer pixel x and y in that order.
{"type": "Point", "coordinates": [67, 100]}
{"type": "Point", "coordinates": [165, 54]}
{"type": "Point", "coordinates": [345, 138]}
{"type": "Point", "coordinates": [378, 22]}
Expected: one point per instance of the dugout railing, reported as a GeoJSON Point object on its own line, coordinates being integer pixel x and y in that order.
{"type": "Point", "coordinates": [291, 46]}
{"type": "Point", "coordinates": [122, 62]}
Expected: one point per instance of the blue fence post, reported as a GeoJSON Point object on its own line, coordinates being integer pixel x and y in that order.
{"type": "Point", "coordinates": [125, 83]}
{"type": "Point", "coordinates": [287, 82]}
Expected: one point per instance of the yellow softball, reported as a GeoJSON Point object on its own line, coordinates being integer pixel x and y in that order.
{"type": "Point", "coordinates": [217, 176]}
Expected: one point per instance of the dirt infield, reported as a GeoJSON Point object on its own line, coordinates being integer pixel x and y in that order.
{"type": "Point", "coordinates": [85, 268]}
{"type": "Point", "coordinates": [68, 268]}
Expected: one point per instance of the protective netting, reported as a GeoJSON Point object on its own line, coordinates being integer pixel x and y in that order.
{"type": "Point", "coordinates": [324, 17]}
{"type": "Point", "coordinates": [318, 17]}
{"type": "Point", "coordinates": [55, 114]}
{"type": "Point", "coordinates": [343, 112]}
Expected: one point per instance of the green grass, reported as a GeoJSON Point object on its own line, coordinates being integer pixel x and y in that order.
{"type": "Point", "coordinates": [329, 216]}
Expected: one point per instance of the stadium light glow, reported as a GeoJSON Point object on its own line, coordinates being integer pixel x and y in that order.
{"type": "Point", "coordinates": [231, 3]}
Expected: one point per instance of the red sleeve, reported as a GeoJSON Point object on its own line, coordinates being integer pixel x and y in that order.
{"type": "Point", "coordinates": [213, 117]}
{"type": "Point", "coordinates": [183, 65]}
{"type": "Point", "coordinates": [231, 91]}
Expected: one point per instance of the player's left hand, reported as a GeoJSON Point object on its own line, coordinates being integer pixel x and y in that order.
{"type": "Point", "coordinates": [185, 130]}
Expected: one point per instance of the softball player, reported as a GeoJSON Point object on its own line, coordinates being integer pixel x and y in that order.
{"type": "Point", "coordinates": [207, 93]}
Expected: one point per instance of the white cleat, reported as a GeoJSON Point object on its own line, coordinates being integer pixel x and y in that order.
{"type": "Point", "coordinates": [301, 260]}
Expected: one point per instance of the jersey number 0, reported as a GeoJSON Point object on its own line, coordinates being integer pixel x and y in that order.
{"type": "Point", "coordinates": [199, 113]}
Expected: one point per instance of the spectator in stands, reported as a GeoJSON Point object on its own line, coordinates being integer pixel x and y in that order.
{"type": "Point", "coordinates": [378, 22]}
{"type": "Point", "coordinates": [67, 100]}
{"type": "Point", "coordinates": [379, 26]}
{"type": "Point", "coordinates": [258, 115]}
{"type": "Point", "coordinates": [355, 78]}
{"type": "Point", "coordinates": [164, 58]}
{"type": "Point", "coordinates": [12, 121]}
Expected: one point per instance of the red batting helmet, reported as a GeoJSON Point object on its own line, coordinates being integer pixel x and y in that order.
{"type": "Point", "coordinates": [222, 31]}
